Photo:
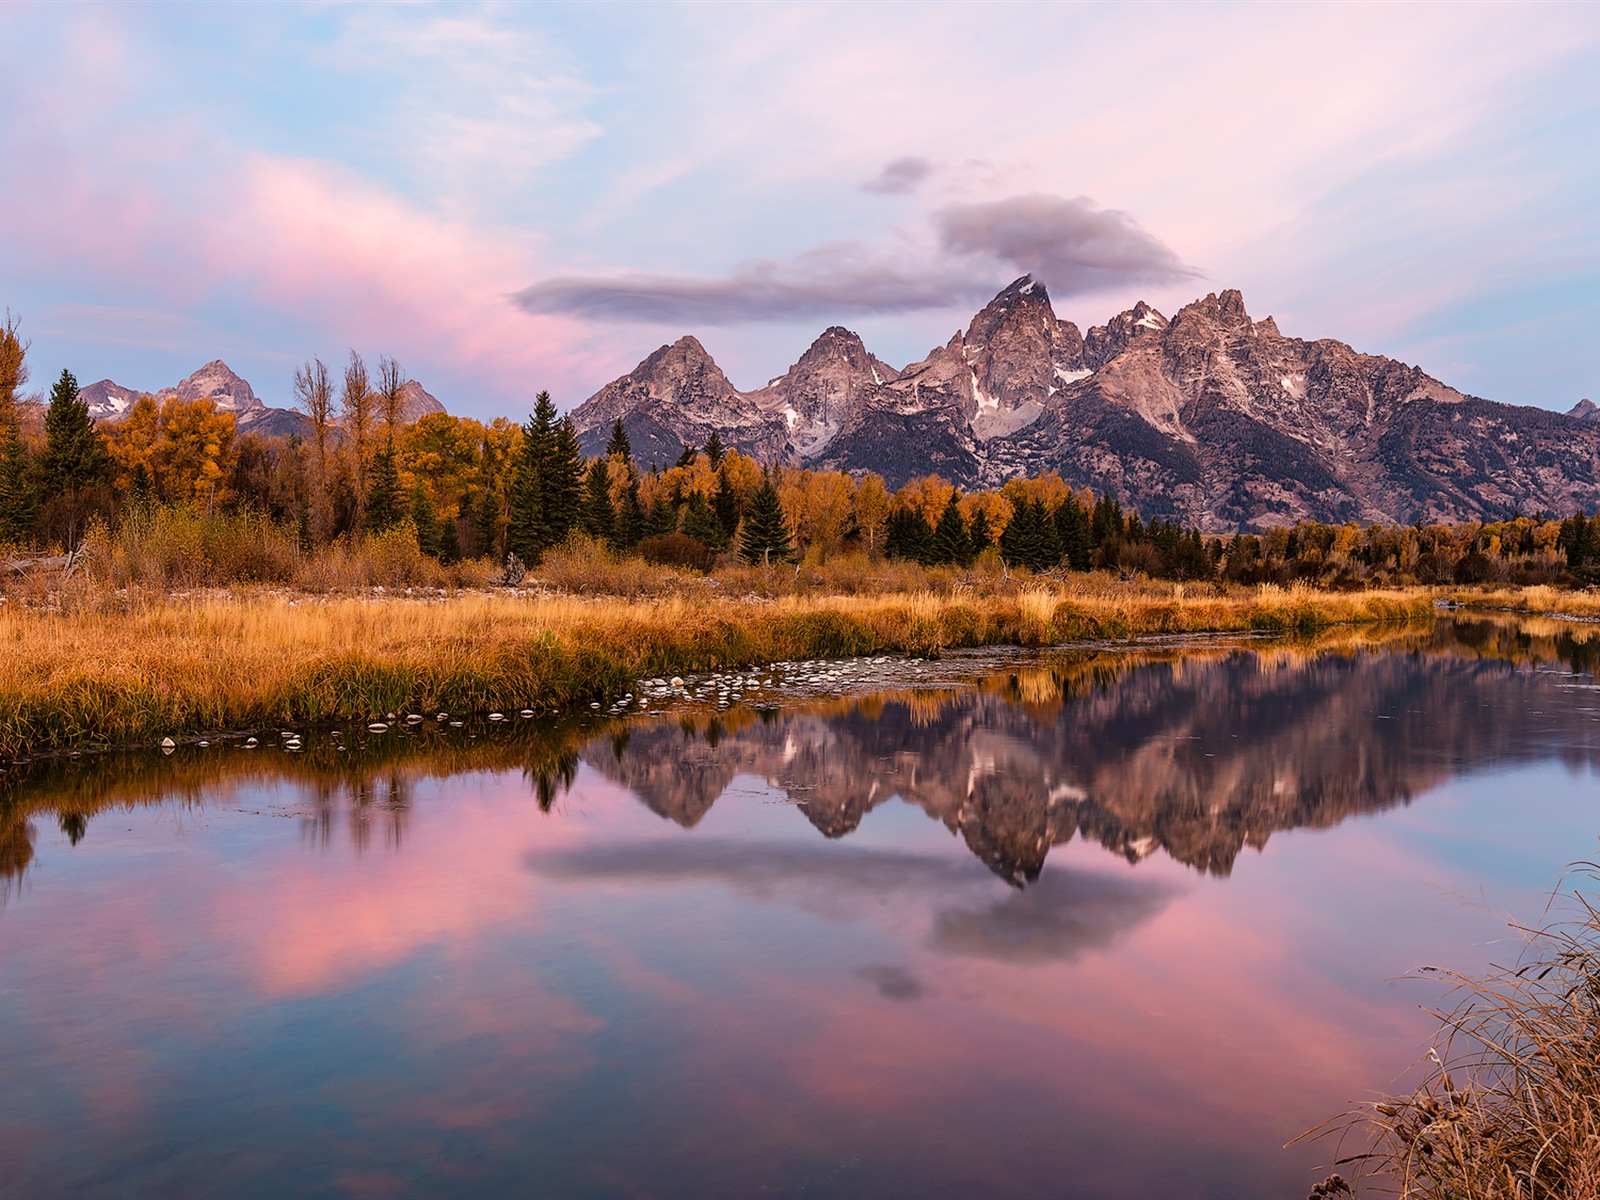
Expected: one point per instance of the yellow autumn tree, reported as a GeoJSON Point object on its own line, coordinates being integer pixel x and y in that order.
{"type": "Point", "coordinates": [194, 452]}
{"type": "Point", "coordinates": [928, 496]}
{"type": "Point", "coordinates": [872, 510]}
{"type": "Point", "coordinates": [133, 440]}
{"type": "Point", "coordinates": [444, 453]}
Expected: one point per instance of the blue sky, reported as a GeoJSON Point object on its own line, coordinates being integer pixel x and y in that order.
{"type": "Point", "coordinates": [510, 197]}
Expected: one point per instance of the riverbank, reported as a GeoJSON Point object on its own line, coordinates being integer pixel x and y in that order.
{"type": "Point", "coordinates": [139, 667]}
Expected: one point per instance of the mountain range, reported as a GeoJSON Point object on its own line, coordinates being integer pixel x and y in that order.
{"type": "Point", "coordinates": [110, 402]}
{"type": "Point", "coordinates": [1209, 417]}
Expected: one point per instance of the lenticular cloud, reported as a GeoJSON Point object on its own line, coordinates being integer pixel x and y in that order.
{"type": "Point", "coordinates": [1069, 244]}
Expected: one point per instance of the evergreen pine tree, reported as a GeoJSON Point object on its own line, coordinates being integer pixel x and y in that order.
{"type": "Point", "coordinates": [726, 505]}
{"type": "Point", "coordinates": [630, 516]}
{"type": "Point", "coordinates": [425, 519]}
{"type": "Point", "coordinates": [662, 518]}
{"type": "Point", "coordinates": [618, 446]}
{"type": "Point", "coordinates": [1106, 522]}
{"type": "Point", "coordinates": [766, 529]}
{"type": "Point", "coordinates": [907, 534]}
{"type": "Point", "coordinates": [979, 536]}
{"type": "Point", "coordinates": [562, 492]}
{"type": "Point", "coordinates": [949, 545]}
{"type": "Point", "coordinates": [599, 520]}
{"type": "Point", "coordinates": [1076, 536]}
{"type": "Point", "coordinates": [383, 492]}
{"type": "Point", "coordinates": [18, 506]}
{"type": "Point", "coordinates": [700, 522]}
{"type": "Point", "coordinates": [449, 542]}
{"type": "Point", "coordinates": [74, 457]}
{"type": "Point", "coordinates": [487, 525]}
{"type": "Point", "coordinates": [714, 451]}
{"type": "Point", "coordinates": [686, 459]}
{"type": "Point", "coordinates": [1030, 538]}
{"type": "Point", "coordinates": [528, 532]}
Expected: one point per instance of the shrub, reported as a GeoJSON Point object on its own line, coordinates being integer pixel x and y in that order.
{"type": "Point", "coordinates": [677, 550]}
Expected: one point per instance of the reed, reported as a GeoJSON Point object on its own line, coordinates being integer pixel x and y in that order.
{"type": "Point", "coordinates": [134, 667]}
{"type": "Point", "coordinates": [1508, 1107]}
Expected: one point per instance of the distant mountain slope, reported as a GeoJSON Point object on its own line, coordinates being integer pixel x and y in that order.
{"type": "Point", "coordinates": [110, 401]}
{"type": "Point", "coordinates": [1211, 417]}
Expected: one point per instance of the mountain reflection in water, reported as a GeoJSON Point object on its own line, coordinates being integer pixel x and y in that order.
{"type": "Point", "coordinates": [1193, 751]}
{"type": "Point", "coordinates": [611, 959]}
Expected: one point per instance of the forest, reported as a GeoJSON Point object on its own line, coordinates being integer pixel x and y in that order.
{"type": "Point", "coordinates": [190, 498]}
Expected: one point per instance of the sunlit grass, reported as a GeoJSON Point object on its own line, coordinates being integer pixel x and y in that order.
{"type": "Point", "coordinates": [134, 668]}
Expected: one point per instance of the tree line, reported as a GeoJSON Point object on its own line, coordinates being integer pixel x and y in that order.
{"type": "Point", "coordinates": [466, 488]}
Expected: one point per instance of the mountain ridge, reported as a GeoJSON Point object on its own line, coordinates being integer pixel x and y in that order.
{"type": "Point", "coordinates": [1210, 417]}
{"type": "Point", "coordinates": [110, 402]}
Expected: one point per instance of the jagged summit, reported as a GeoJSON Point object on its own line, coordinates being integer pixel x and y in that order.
{"type": "Point", "coordinates": [1585, 410]}
{"type": "Point", "coordinates": [217, 380]}
{"type": "Point", "coordinates": [1210, 417]}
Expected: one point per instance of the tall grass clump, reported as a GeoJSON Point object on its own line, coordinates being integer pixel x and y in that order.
{"type": "Point", "coordinates": [1508, 1107]}
{"type": "Point", "coordinates": [167, 547]}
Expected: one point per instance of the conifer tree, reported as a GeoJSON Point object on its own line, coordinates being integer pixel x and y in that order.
{"type": "Point", "coordinates": [766, 529]}
{"type": "Point", "coordinates": [714, 453]}
{"type": "Point", "coordinates": [1030, 539]}
{"type": "Point", "coordinates": [618, 446]}
{"type": "Point", "coordinates": [726, 505]}
{"type": "Point", "coordinates": [686, 459]}
{"type": "Point", "coordinates": [1106, 522]}
{"type": "Point", "coordinates": [907, 534]}
{"type": "Point", "coordinates": [383, 492]}
{"type": "Point", "coordinates": [449, 542]}
{"type": "Point", "coordinates": [1075, 533]}
{"type": "Point", "coordinates": [18, 502]}
{"type": "Point", "coordinates": [562, 492]}
{"type": "Point", "coordinates": [18, 508]}
{"type": "Point", "coordinates": [949, 544]}
{"type": "Point", "coordinates": [979, 536]}
{"type": "Point", "coordinates": [487, 518]}
{"type": "Point", "coordinates": [662, 517]}
{"type": "Point", "coordinates": [700, 522]}
{"type": "Point", "coordinates": [630, 516]}
{"type": "Point", "coordinates": [528, 532]}
{"type": "Point", "coordinates": [599, 520]}
{"type": "Point", "coordinates": [74, 457]}
{"type": "Point", "coordinates": [425, 520]}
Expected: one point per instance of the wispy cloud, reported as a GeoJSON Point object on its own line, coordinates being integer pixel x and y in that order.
{"type": "Point", "coordinates": [1069, 244]}
{"type": "Point", "coordinates": [898, 177]}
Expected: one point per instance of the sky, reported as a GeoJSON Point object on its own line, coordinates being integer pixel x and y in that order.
{"type": "Point", "coordinates": [509, 197]}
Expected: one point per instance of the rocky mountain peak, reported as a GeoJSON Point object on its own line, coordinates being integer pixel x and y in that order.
{"type": "Point", "coordinates": [418, 403]}
{"type": "Point", "coordinates": [218, 381]}
{"type": "Point", "coordinates": [1105, 342]}
{"type": "Point", "coordinates": [825, 388]}
{"type": "Point", "coordinates": [1585, 410]}
{"type": "Point", "coordinates": [1018, 351]}
{"type": "Point", "coordinates": [1224, 311]}
{"type": "Point", "coordinates": [108, 401]}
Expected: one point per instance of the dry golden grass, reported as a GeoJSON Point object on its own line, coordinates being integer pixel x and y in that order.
{"type": "Point", "coordinates": [1540, 598]}
{"type": "Point", "coordinates": [113, 668]}
{"type": "Point", "coordinates": [1509, 1104]}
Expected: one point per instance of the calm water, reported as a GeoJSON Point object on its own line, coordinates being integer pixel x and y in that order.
{"type": "Point", "coordinates": [1078, 924]}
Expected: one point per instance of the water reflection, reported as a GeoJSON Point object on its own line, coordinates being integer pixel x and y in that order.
{"type": "Point", "coordinates": [705, 955]}
{"type": "Point", "coordinates": [1194, 752]}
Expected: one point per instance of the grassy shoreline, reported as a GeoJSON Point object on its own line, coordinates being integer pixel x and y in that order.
{"type": "Point", "coordinates": [142, 669]}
